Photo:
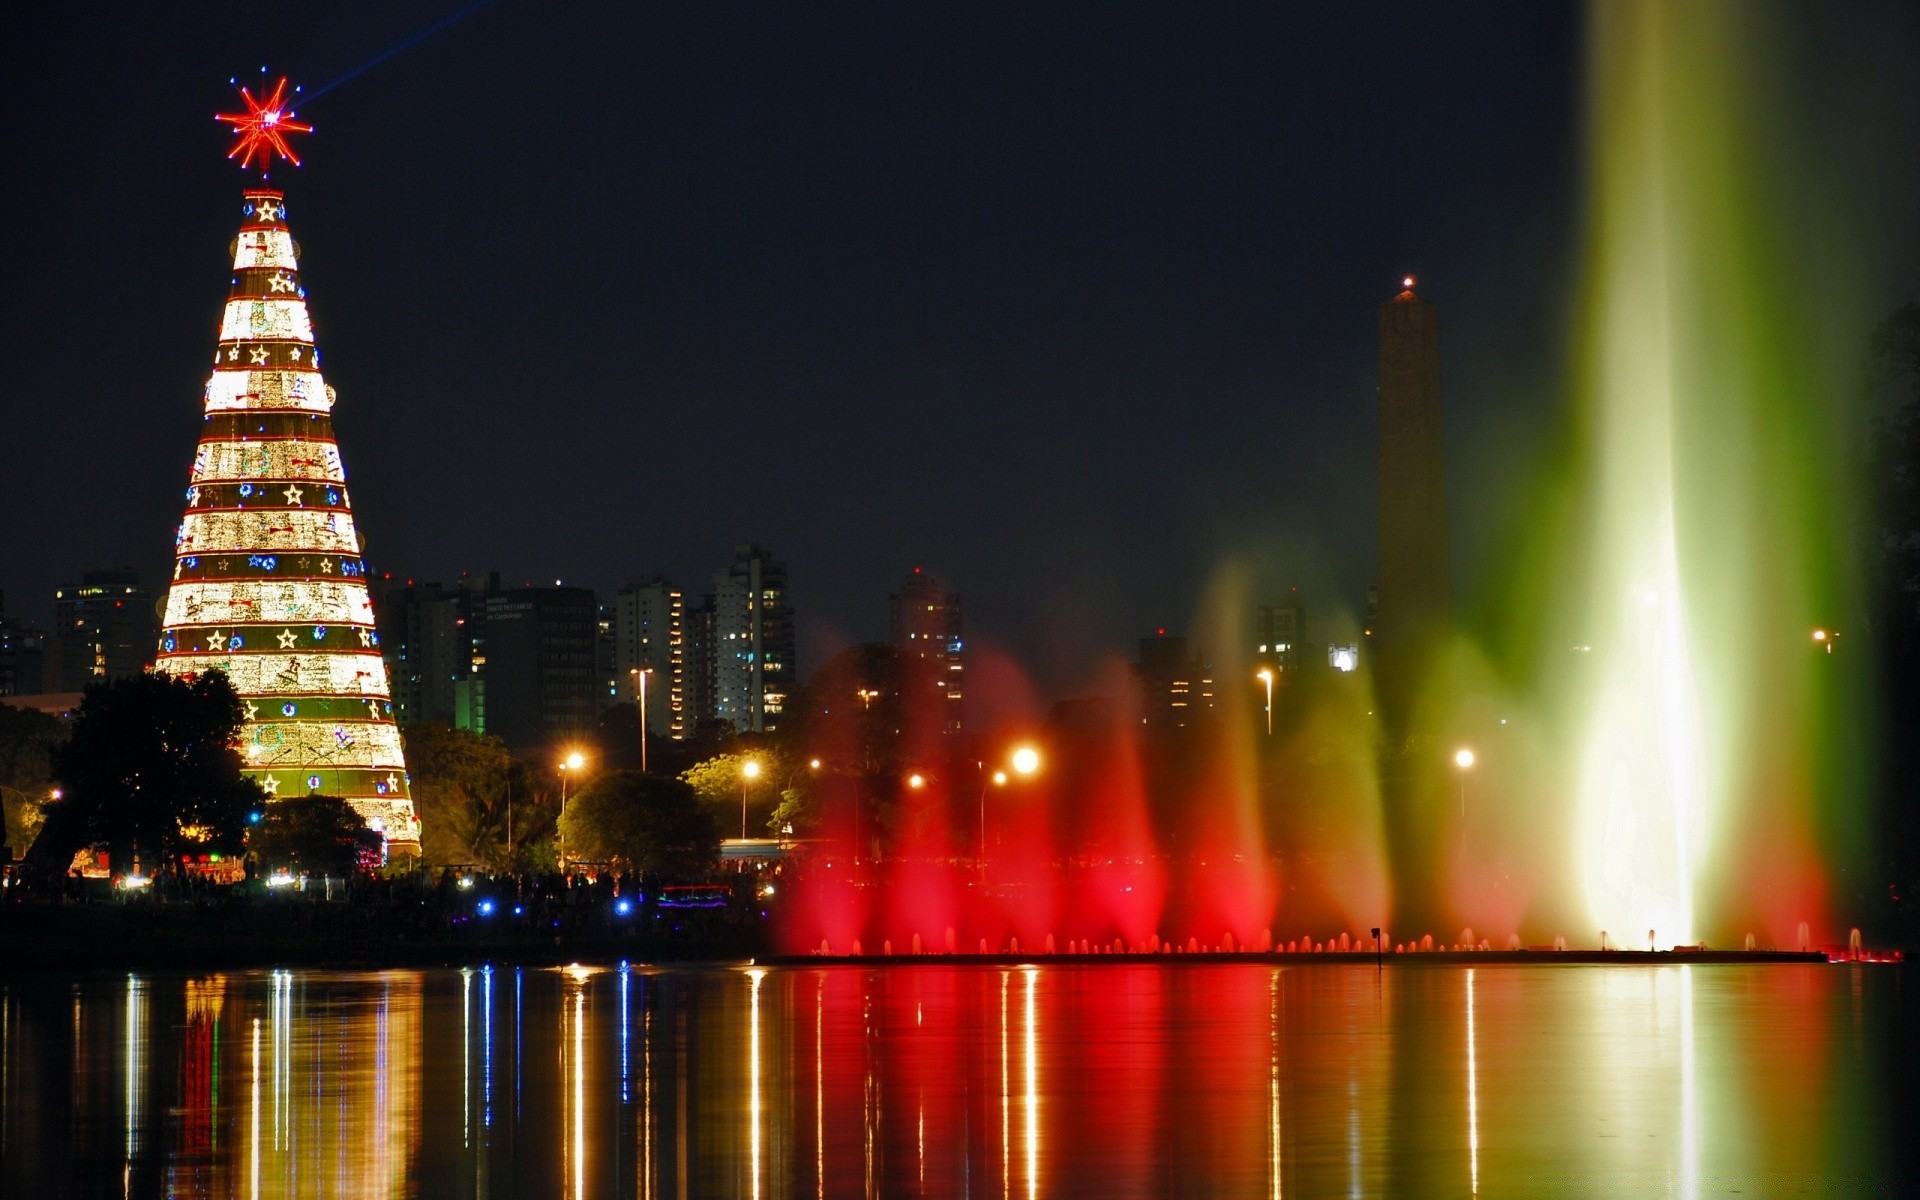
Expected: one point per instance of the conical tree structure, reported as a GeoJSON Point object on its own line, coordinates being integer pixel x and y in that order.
{"type": "Point", "coordinates": [268, 582]}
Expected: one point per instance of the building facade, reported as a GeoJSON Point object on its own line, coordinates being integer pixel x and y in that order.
{"type": "Point", "coordinates": [427, 631]}
{"type": "Point", "coordinates": [753, 640]}
{"type": "Point", "coordinates": [701, 662]}
{"type": "Point", "coordinates": [104, 627]}
{"type": "Point", "coordinates": [924, 627]}
{"type": "Point", "coordinates": [1176, 689]}
{"type": "Point", "coordinates": [1415, 592]}
{"type": "Point", "coordinates": [22, 656]}
{"type": "Point", "coordinates": [536, 649]}
{"type": "Point", "coordinates": [650, 634]}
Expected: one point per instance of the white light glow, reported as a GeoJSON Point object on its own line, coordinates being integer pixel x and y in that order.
{"type": "Point", "coordinates": [277, 530]}
{"type": "Point", "coordinates": [288, 458]}
{"type": "Point", "coordinates": [274, 320]}
{"type": "Point", "coordinates": [277, 390]}
{"type": "Point", "coordinates": [203, 602]}
{"type": "Point", "coordinates": [264, 248]}
{"type": "Point", "coordinates": [322, 673]}
{"type": "Point", "coordinates": [368, 744]}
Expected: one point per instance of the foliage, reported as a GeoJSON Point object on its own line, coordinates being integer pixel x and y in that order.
{"type": "Point", "coordinates": [801, 808]}
{"type": "Point", "coordinates": [643, 823]}
{"type": "Point", "coordinates": [27, 742]}
{"type": "Point", "coordinates": [321, 835]}
{"type": "Point", "coordinates": [151, 758]}
{"type": "Point", "coordinates": [721, 782]}
{"type": "Point", "coordinates": [476, 804]}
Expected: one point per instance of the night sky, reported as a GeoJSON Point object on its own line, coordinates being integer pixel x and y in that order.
{"type": "Point", "coordinates": [1072, 306]}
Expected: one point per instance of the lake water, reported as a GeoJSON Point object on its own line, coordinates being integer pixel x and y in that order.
{"type": "Point", "coordinates": [1151, 1080]}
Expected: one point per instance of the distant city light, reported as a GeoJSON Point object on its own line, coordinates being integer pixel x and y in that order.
{"type": "Point", "coordinates": [485, 908]}
{"type": "Point", "coordinates": [623, 906]}
{"type": "Point", "coordinates": [1343, 658]}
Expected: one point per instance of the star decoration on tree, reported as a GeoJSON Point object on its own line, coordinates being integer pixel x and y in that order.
{"type": "Point", "coordinates": [261, 132]}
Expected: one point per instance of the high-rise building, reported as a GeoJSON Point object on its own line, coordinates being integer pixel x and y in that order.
{"type": "Point", "coordinates": [1176, 688]}
{"type": "Point", "coordinates": [701, 664]}
{"type": "Point", "coordinates": [1414, 602]}
{"type": "Point", "coordinates": [604, 654]}
{"type": "Point", "coordinates": [649, 634]}
{"type": "Point", "coordinates": [22, 656]}
{"type": "Point", "coordinates": [427, 631]}
{"type": "Point", "coordinates": [537, 647]}
{"type": "Point", "coordinates": [1280, 633]}
{"type": "Point", "coordinates": [269, 585]}
{"type": "Point", "coordinates": [103, 627]}
{"type": "Point", "coordinates": [753, 640]}
{"type": "Point", "coordinates": [923, 623]}
{"type": "Point", "coordinates": [1415, 588]}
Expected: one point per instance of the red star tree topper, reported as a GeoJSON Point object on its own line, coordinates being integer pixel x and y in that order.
{"type": "Point", "coordinates": [261, 132]}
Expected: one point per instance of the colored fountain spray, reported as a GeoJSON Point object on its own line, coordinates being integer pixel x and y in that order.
{"type": "Point", "coordinates": [1713, 544]}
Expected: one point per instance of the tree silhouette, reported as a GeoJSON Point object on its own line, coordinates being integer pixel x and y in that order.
{"type": "Point", "coordinates": [643, 823]}
{"type": "Point", "coordinates": [316, 834]}
{"type": "Point", "coordinates": [151, 770]}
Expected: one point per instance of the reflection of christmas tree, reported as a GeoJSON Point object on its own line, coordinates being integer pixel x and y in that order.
{"type": "Point", "coordinates": [268, 583]}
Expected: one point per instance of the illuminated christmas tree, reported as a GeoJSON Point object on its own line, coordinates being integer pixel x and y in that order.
{"type": "Point", "coordinates": [268, 582]}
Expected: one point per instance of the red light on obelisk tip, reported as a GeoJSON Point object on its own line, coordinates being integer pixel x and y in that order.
{"type": "Point", "coordinates": [261, 132]}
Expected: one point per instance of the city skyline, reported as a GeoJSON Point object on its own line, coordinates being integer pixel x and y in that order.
{"type": "Point", "coordinates": [1114, 337]}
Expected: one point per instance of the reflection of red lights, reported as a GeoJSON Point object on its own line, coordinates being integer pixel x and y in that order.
{"type": "Point", "coordinates": [261, 132]}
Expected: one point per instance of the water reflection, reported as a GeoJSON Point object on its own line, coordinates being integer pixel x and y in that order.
{"type": "Point", "coordinates": [949, 1081]}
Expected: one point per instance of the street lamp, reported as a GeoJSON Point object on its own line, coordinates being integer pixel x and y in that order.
{"type": "Point", "coordinates": [1463, 759]}
{"type": "Point", "coordinates": [916, 781]}
{"type": "Point", "coordinates": [1265, 675]}
{"type": "Point", "coordinates": [749, 771]}
{"type": "Point", "coordinates": [641, 674]}
{"type": "Point", "coordinates": [568, 765]}
{"type": "Point", "coordinates": [1025, 761]}
{"type": "Point", "coordinates": [1824, 638]}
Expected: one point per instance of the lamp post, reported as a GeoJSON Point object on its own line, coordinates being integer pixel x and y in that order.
{"type": "Point", "coordinates": [1265, 675]}
{"type": "Point", "coordinates": [749, 771]}
{"type": "Point", "coordinates": [1025, 761]}
{"type": "Point", "coordinates": [572, 762]}
{"type": "Point", "coordinates": [641, 673]}
{"type": "Point", "coordinates": [1463, 759]}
